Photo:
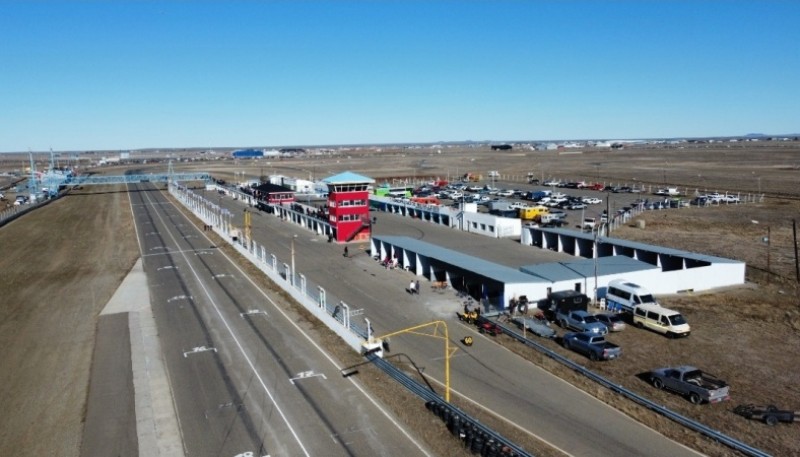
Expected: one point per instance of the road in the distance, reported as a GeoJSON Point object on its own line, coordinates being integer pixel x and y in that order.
{"type": "Point", "coordinates": [244, 377]}
{"type": "Point", "coordinates": [523, 393]}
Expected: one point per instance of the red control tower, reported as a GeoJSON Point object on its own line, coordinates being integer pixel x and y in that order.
{"type": "Point", "coordinates": [348, 206]}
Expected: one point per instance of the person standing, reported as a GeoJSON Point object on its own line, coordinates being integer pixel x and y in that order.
{"type": "Point", "coordinates": [416, 287]}
{"type": "Point", "coordinates": [345, 251]}
{"type": "Point", "coordinates": [411, 287]}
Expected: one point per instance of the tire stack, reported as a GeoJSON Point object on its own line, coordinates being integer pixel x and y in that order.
{"type": "Point", "coordinates": [475, 440]}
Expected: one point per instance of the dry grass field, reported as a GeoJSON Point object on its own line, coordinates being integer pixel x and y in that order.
{"type": "Point", "coordinates": [62, 263]}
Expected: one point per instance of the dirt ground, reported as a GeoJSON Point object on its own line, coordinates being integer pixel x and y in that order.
{"type": "Point", "coordinates": [62, 263]}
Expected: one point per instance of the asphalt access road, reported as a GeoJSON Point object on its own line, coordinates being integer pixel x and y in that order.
{"type": "Point", "coordinates": [521, 392]}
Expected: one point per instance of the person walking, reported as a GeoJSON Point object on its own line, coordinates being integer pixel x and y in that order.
{"type": "Point", "coordinates": [416, 287]}
{"type": "Point", "coordinates": [411, 287]}
{"type": "Point", "coordinates": [346, 253]}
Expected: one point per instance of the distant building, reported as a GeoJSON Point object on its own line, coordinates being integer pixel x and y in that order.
{"type": "Point", "coordinates": [501, 147]}
{"type": "Point", "coordinates": [292, 151]}
{"type": "Point", "coordinates": [273, 194]}
{"type": "Point", "coordinates": [247, 154]}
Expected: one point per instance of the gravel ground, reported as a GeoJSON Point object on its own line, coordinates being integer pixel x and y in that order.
{"type": "Point", "coordinates": [55, 282]}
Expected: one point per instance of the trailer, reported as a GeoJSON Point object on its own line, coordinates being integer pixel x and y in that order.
{"type": "Point", "coordinates": [769, 414]}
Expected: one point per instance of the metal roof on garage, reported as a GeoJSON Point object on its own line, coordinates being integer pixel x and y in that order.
{"type": "Point", "coordinates": [584, 268]}
{"type": "Point", "coordinates": [640, 246]}
{"type": "Point", "coordinates": [496, 272]}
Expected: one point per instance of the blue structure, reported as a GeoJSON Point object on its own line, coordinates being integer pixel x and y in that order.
{"type": "Point", "coordinates": [247, 154]}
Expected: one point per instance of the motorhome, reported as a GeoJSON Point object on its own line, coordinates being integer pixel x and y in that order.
{"type": "Point", "coordinates": [563, 301]}
{"type": "Point", "coordinates": [622, 295]}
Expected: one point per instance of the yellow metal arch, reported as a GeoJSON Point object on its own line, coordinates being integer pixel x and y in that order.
{"type": "Point", "coordinates": [436, 333]}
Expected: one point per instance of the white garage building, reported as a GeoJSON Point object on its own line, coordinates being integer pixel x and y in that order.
{"type": "Point", "coordinates": [660, 270]}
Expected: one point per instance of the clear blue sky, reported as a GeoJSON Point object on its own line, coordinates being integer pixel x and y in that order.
{"type": "Point", "coordinates": [116, 75]}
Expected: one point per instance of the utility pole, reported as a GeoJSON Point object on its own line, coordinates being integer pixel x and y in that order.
{"type": "Point", "coordinates": [796, 264]}
{"type": "Point", "coordinates": [595, 255]}
{"type": "Point", "coordinates": [766, 240]}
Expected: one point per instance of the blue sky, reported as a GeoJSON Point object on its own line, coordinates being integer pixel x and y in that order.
{"type": "Point", "coordinates": [116, 75]}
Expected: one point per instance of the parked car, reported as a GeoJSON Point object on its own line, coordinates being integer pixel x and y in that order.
{"type": "Point", "coordinates": [661, 320]}
{"type": "Point", "coordinates": [581, 321]}
{"type": "Point", "coordinates": [689, 381]}
{"type": "Point", "coordinates": [613, 322]}
{"type": "Point", "coordinates": [591, 200]}
{"type": "Point", "coordinates": [574, 206]}
{"type": "Point", "coordinates": [592, 345]}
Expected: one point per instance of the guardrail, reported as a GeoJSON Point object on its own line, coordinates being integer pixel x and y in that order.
{"type": "Point", "coordinates": [475, 435]}
{"type": "Point", "coordinates": [630, 395]}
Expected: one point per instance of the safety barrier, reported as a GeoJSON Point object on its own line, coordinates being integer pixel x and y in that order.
{"type": "Point", "coordinates": [335, 314]}
{"type": "Point", "coordinates": [685, 421]}
{"type": "Point", "coordinates": [477, 437]}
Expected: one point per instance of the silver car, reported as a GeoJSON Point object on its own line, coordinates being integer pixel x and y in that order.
{"type": "Point", "coordinates": [613, 322]}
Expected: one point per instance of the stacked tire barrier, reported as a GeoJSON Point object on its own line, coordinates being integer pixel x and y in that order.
{"type": "Point", "coordinates": [475, 437]}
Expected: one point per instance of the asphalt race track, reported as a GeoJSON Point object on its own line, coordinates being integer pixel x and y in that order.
{"type": "Point", "coordinates": [245, 379]}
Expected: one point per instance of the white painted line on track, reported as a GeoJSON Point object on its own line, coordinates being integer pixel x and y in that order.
{"type": "Point", "coordinates": [237, 342]}
{"type": "Point", "coordinates": [319, 348]}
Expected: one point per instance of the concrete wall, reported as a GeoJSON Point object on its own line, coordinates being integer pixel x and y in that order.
{"type": "Point", "coordinates": [492, 226]}
{"type": "Point", "coordinates": [278, 272]}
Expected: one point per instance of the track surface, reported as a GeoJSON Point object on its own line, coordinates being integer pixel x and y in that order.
{"type": "Point", "coordinates": [252, 383]}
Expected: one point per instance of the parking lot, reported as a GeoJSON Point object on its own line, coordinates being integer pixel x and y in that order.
{"type": "Point", "coordinates": [573, 204]}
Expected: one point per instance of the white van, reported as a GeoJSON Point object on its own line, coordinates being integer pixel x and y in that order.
{"type": "Point", "coordinates": [622, 295]}
{"type": "Point", "coordinates": [661, 320]}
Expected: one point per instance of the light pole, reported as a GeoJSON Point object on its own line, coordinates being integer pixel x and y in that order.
{"type": "Point", "coordinates": [595, 255]}
{"type": "Point", "coordinates": [766, 240]}
{"type": "Point", "coordinates": [292, 281]}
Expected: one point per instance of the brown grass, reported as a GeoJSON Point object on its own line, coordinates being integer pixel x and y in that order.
{"type": "Point", "coordinates": [58, 274]}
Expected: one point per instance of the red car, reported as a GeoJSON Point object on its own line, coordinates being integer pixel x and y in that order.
{"type": "Point", "coordinates": [489, 327]}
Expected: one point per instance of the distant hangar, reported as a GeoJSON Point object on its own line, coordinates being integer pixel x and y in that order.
{"type": "Point", "coordinates": [259, 153]}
